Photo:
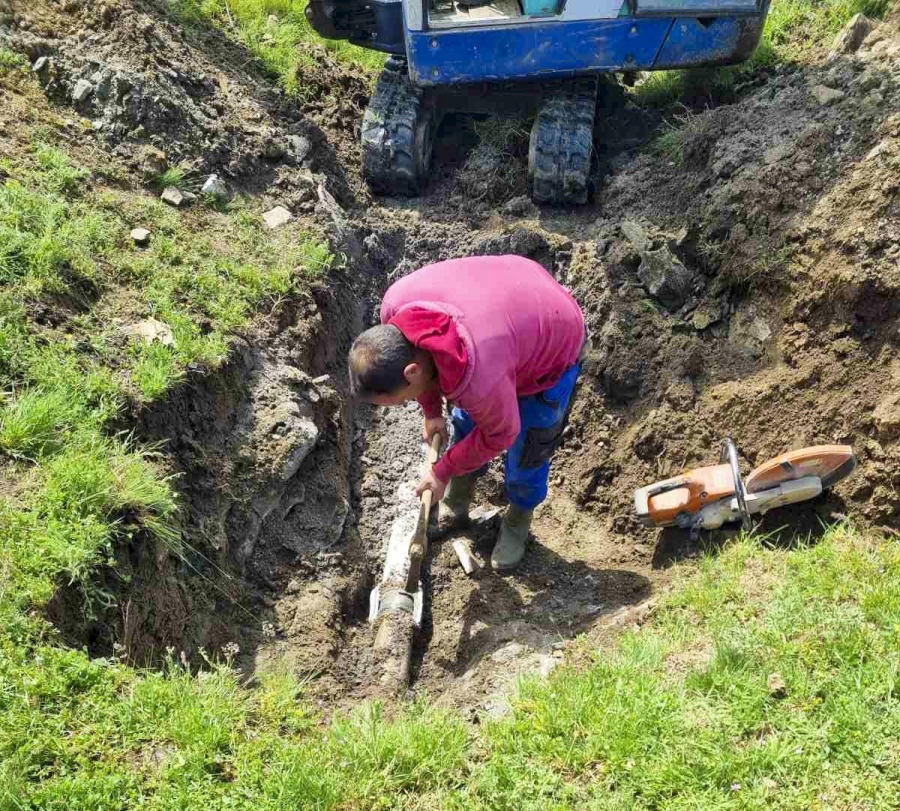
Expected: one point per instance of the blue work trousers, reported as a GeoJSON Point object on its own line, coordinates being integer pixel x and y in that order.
{"type": "Point", "coordinates": [543, 417]}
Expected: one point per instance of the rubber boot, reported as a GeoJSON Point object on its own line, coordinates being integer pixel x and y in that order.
{"type": "Point", "coordinates": [453, 510]}
{"type": "Point", "coordinates": [510, 547]}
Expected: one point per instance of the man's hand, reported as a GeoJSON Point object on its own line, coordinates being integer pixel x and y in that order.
{"type": "Point", "coordinates": [435, 425]}
{"type": "Point", "coordinates": [433, 483]}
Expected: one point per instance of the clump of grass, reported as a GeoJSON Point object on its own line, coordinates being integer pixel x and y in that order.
{"type": "Point", "coordinates": [46, 240]}
{"type": "Point", "coordinates": [57, 172]}
{"type": "Point", "coordinates": [496, 169]}
{"type": "Point", "coordinates": [155, 370]}
{"type": "Point", "coordinates": [276, 32]}
{"type": "Point", "coordinates": [10, 60]}
{"type": "Point", "coordinates": [33, 422]}
{"type": "Point", "coordinates": [173, 176]}
{"type": "Point", "coordinates": [15, 342]}
{"type": "Point", "coordinates": [670, 144]}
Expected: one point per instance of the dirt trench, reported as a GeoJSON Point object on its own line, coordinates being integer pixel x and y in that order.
{"type": "Point", "coordinates": [740, 280]}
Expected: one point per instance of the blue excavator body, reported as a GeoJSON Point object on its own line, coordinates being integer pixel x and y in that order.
{"type": "Point", "coordinates": [520, 56]}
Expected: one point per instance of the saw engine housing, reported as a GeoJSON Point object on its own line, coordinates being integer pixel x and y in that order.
{"type": "Point", "coordinates": [708, 497]}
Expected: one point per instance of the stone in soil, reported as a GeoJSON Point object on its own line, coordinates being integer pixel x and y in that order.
{"type": "Point", "coordinates": [150, 331]}
{"type": "Point", "coordinates": [299, 147]}
{"type": "Point", "coordinates": [140, 235]}
{"type": "Point", "coordinates": [151, 160]}
{"type": "Point", "coordinates": [851, 37]}
{"type": "Point", "coordinates": [40, 64]}
{"type": "Point", "coordinates": [706, 315]}
{"type": "Point", "coordinates": [665, 277]}
{"type": "Point", "coordinates": [749, 333]}
{"type": "Point", "coordinates": [826, 96]}
{"type": "Point", "coordinates": [887, 415]}
{"type": "Point", "coordinates": [521, 206]}
{"type": "Point", "coordinates": [216, 188]}
{"type": "Point", "coordinates": [83, 89]}
{"type": "Point", "coordinates": [172, 196]}
{"type": "Point", "coordinates": [277, 217]}
{"type": "Point", "coordinates": [776, 685]}
{"type": "Point", "coordinates": [636, 234]}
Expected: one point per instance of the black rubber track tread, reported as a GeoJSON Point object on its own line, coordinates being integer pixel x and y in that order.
{"type": "Point", "coordinates": [561, 146]}
{"type": "Point", "coordinates": [390, 163]}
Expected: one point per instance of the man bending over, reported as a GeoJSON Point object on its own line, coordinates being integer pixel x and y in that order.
{"type": "Point", "coordinates": [501, 341]}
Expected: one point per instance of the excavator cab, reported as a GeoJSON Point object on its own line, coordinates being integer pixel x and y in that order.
{"type": "Point", "coordinates": [520, 57]}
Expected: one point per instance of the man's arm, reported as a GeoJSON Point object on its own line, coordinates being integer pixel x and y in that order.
{"type": "Point", "coordinates": [497, 425]}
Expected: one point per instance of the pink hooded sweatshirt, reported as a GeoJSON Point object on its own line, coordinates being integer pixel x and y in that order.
{"type": "Point", "coordinates": [498, 328]}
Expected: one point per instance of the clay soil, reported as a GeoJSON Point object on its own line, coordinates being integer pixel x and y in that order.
{"type": "Point", "coordinates": [777, 211]}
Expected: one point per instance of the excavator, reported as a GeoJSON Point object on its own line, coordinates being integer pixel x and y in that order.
{"type": "Point", "coordinates": [520, 58]}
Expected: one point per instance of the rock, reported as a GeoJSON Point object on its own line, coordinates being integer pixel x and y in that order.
{"type": "Point", "coordinates": [217, 188]}
{"type": "Point", "coordinates": [749, 333]}
{"type": "Point", "coordinates": [778, 153]}
{"type": "Point", "coordinates": [41, 64]}
{"type": "Point", "coordinates": [776, 685]}
{"type": "Point", "coordinates": [665, 278]}
{"type": "Point", "coordinates": [273, 150]}
{"type": "Point", "coordinates": [881, 148]}
{"type": "Point", "coordinates": [83, 89]}
{"type": "Point", "coordinates": [826, 95]}
{"type": "Point", "coordinates": [706, 315]}
{"type": "Point", "coordinates": [520, 207]}
{"type": "Point", "coordinates": [299, 147]}
{"type": "Point", "coordinates": [851, 37]}
{"type": "Point", "coordinates": [887, 415]}
{"type": "Point", "coordinates": [506, 654]}
{"type": "Point", "coordinates": [172, 196]}
{"type": "Point", "coordinates": [152, 161]}
{"type": "Point", "coordinates": [636, 235]}
{"type": "Point", "coordinates": [150, 330]}
{"type": "Point", "coordinates": [140, 235]}
{"type": "Point", "coordinates": [277, 217]}
{"type": "Point", "coordinates": [304, 435]}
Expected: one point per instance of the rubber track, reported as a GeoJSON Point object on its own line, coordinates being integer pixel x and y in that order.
{"type": "Point", "coordinates": [562, 144]}
{"type": "Point", "coordinates": [390, 164]}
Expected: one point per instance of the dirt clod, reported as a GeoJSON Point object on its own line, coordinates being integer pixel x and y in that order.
{"type": "Point", "coordinates": [776, 685]}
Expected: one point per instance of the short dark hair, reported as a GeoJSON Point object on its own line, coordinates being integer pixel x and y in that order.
{"type": "Point", "coordinates": [378, 359]}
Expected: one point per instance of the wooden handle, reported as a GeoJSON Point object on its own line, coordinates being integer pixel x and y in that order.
{"type": "Point", "coordinates": [418, 541]}
{"type": "Point", "coordinates": [430, 458]}
{"type": "Point", "coordinates": [433, 450]}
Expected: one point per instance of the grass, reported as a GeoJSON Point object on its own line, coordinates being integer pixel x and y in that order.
{"type": "Point", "coordinates": [677, 715]}
{"type": "Point", "coordinates": [795, 30]}
{"type": "Point", "coordinates": [66, 244]}
{"type": "Point", "coordinates": [277, 33]}
{"type": "Point", "coordinates": [74, 490]}
{"type": "Point", "coordinates": [10, 60]}
{"type": "Point", "coordinates": [173, 176]}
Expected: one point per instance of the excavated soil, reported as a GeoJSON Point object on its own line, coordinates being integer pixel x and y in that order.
{"type": "Point", "coordinates": [742, 282]}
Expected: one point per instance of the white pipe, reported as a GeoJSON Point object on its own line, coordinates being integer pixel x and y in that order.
{"type": "Point", "coordinates": [395, 629]}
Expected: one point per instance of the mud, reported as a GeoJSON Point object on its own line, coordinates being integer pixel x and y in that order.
{"type": "Point", "coordinates": [742, 283]}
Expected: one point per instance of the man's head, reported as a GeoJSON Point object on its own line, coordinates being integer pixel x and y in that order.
{"type": "Point", "coordinates": [386, 369]}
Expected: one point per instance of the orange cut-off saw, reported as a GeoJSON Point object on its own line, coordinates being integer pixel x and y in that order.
{"type": "Point", "coordinates": [708, 497]}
